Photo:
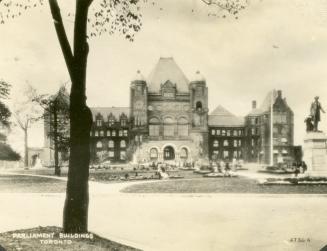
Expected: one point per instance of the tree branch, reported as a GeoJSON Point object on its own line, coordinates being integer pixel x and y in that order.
{"type": "Point", "coordinates": [19, 121]}
{"type": "Point", "coordinates": [62, 37]}
{"type": "Point", "coordinates": [228, 6]}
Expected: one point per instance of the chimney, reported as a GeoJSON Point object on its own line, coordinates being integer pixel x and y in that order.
{"type": "Point", "coordinates": [279, 93]}
{"type": "Point", "coordinates": [254, 104]}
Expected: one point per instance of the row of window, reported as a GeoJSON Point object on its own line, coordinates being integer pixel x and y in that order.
{"type": "Point", "coordinates": [254, 131]}
{"type": "Point", "coordinates": [278, 117]}
{"type": "Point", "coordinates": [111, 144]}
{"type": "Point", "coordinates": [101, 133]}
{"type": "Point", "coordinates": [226, 154]}
{"type": "Point", "coordinates": [223, 132]}
{"type": "Point", "coordinates": [235, 142]}
{"type": "Point", "coordinates": [122, 154]}
{"type": "Point", "coordinates": [154, 153]}
{"type": "Point", "coordinates": [111, 122]}
{"type": "Point", "coordinates": [168, 130]}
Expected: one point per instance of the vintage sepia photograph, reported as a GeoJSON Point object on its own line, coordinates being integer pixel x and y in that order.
{"type": "Point", "coordinates": [162, 125]}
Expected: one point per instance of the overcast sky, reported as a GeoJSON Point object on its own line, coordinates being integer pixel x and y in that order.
{"type": "Point", "coordinates": [273, 44]}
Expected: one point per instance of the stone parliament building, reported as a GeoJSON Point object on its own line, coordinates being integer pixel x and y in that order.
{"type": "Point", "coordinates": [168, 120]}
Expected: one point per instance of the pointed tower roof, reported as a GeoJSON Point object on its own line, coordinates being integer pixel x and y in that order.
{"type": "Point", "coordinates": [265, 106]}
{"type": "Point", "coordinates": [224, 118]}
{"type": "Point", "coordinates": [167, 69]}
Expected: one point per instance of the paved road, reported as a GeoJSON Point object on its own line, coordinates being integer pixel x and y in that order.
{"type": "Point", "coordinates": [183, 221]}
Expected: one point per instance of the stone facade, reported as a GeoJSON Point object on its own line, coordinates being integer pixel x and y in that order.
{"type": "Point", "coordinates": [258, 125]}
{"type": "Point", "coordinates": [167, 120]}
{"type": "Point", "coordinates": [226, 135]}
{"type": "Point", "coordinates": [249, 138]}
{"type": "Point", "coordinates": [315, 153]}
{"type": "Point", "coordinates": [110, 134]}
{"type": "Point", "coordinates": [169, 114]}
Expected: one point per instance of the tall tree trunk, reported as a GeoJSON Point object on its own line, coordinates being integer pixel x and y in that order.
{"type": "Point", "coordinates": [25, 147]}
{"type": "Point", "coordinates": [55, 134]}
{"type": "Point", "coordinates": [77, 194]}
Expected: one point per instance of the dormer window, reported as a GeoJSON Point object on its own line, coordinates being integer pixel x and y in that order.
{"type": "Point", "coordinates": [99, 122]}
{"type": "Point", "coordinates": [123, 120]}
{"type": "Point", "coordinates": [168, 89]}
{"type": "Point", "coordinates": [111, 120]}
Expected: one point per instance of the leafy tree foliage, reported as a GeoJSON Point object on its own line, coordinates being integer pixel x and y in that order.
{"type": "Point", "coordinates": [5, 113]}
{"type": "Point", "coordinates": [56, 117]}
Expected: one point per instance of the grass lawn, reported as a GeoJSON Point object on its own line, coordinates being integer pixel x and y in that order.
{"type": "Point", "coordinates": [32, 244]}
{"type": "Point", "coordinates": [222, 185]}
{"type": "Point", "coordinates": [43, 171]}
{"type": "Point", "coordinates": [30, 184]}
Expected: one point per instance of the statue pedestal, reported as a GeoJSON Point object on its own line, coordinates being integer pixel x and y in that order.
{"type": "Point", "coordinates": [315, 153]}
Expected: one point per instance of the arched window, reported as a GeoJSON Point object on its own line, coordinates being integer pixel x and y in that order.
{"type": "Point", "coordinates": [198, 105]}
{"type": "Point", "coordinates": [225, 142]}
{"type": "Point", "coordinates": [122, 143]}
{"type": "Point", "coordinates": [99, 144]}
{"type": "Point", "coordinates": [184, 153]}
{"type": "Point", "coordinates": [153, 154]}
{"type": "Point", "coordinates": [111, 143]}
{"type": "Point", "coordinates": [182, 126]}
{"type": "Point", "coordinates": [169, 126]}
{"type": "Point", "coordinates": [215, 143]}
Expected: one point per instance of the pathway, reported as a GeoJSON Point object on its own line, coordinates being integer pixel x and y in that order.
{"type": "Point", "coordinates": [202, 222]}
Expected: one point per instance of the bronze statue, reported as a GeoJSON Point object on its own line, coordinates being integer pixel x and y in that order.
{"type": "Point", "coordinates": [315, 113]}
{"type": "Point", "coordinates": [309, 124]}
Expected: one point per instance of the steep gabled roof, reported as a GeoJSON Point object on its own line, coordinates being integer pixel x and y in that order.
{"type": "Point", "coordinates": [224, 118]}
{"type": "Point", "coordinates": [167, 69]}
{"type": "Point", "coordinates": [221, 111]}
{"type": "Point", "coordinates": [105, 111]}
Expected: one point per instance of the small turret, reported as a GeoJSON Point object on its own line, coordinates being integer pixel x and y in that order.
{"type": "Point", "coordinates": [198, 77]}
{"type": "Point", "coordinates": [138, 76]}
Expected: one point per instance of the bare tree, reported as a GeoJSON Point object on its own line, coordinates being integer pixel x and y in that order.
{"type": "Point", "coordinates": [26, 112]}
